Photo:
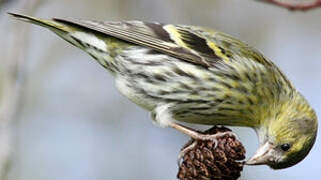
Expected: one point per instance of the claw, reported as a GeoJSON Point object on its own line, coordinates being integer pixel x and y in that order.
{"type": "Point", "coordinates": [230, 133]}
{"type": "Point", "coordinates": [215, 141]}
{"type": "Point", "coordinates": [184, 151]}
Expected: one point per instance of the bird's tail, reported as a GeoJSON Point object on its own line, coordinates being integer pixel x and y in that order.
{"type": "Point", "coordinates": [83, 38]}
{"type": "Point", "coordinates": [50, 24]}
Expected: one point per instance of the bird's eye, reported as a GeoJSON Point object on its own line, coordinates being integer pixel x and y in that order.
{"type": "Point", "coordinates": [285, 147]}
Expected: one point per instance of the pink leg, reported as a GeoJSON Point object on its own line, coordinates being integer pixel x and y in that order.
{"type": "Point", "coordinates": [199, 136]}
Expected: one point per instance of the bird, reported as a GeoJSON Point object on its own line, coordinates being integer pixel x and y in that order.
{"type": "Point", "coordinates": [197, 75]}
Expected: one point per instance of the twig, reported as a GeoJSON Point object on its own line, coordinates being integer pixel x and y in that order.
{"type": "Point", "coordinates": [304, 6]}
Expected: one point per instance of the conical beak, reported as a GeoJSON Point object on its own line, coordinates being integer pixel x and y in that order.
{"type": "Point", "coordinates": [262, 156]}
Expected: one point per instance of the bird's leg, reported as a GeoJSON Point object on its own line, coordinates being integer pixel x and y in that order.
{"type": "Point", "coordinates": [162, 116]}
{"type": "Point", "coordinates": [200, 136]}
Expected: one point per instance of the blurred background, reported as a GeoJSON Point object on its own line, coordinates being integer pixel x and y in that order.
{"type": "Point", "coordinates": [74, 125]}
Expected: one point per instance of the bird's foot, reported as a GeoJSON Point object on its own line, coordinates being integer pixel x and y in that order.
{"type": "Point", "coordinates": [198, 136]}
{"type": "Point", "coordinates": [204, 137]}
{"type": "Point", "coordinates": [214, 137]}
{"type": "Point", "coordinates": [201, 136]}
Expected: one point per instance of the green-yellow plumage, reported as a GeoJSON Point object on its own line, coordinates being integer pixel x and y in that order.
{"type": "Point", "coordinates": [197, 75]}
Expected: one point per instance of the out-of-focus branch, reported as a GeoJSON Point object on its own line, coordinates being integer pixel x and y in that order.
{"type": "Point", "coordinates": [3, 2]}
{"type": "Point", "coordinates": [17, 64]}
{"type": "Point", "coordinates": [302, 6]}
{"type": "Point", "coordinates": [12, 85]}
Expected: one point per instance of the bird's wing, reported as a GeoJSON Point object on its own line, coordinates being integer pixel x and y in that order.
{"type": "Point", "coordinates": [193, 44]}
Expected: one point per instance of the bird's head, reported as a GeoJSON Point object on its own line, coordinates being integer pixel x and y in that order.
{"type": "Point", "coordinates": [286, 136]}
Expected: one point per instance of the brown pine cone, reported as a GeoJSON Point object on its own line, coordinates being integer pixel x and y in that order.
{"type": "Point", "coordinates": [205, 162]}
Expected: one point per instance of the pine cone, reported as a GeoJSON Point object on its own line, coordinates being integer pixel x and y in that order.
{"type": "Point", "coordinates": [205, 162]}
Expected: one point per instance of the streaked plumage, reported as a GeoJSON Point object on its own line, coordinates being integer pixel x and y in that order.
{"type": "Point", "coordinates": [197, 75]}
